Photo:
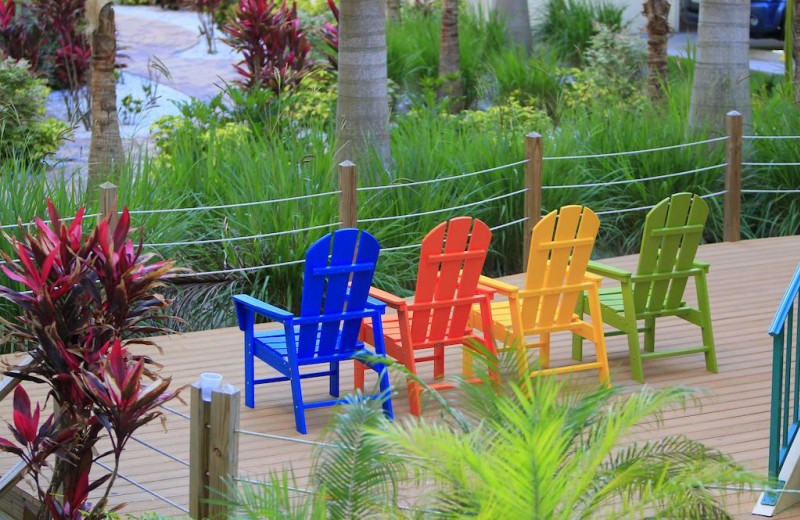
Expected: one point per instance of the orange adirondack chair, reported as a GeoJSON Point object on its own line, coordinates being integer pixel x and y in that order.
{"type": "Point", "coordinates": [561, 245]}
{"type": "Point", "coordinates": [450, 264]}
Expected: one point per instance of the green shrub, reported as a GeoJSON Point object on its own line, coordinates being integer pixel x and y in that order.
{"type": "Point", "coordinates": [567, 25]}
{"type": "Point", "coordinates": [613, 74]}
{"type": "Point", "coordinates": [538, 78]}
{"type": "Point", "coordinates": [24, 131]}
{"type": "Point", "coordinates": [412, 45]}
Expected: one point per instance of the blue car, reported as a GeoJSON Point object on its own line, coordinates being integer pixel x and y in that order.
{"type": "Point", "coordinates": [766, 17]}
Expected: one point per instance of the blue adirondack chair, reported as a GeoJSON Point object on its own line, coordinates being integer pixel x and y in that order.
{"type": "Point", "coordinates": [338, 275]}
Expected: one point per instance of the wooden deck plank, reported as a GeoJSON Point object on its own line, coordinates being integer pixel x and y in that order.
{"type": "Point", "coordinates": [746, 282]}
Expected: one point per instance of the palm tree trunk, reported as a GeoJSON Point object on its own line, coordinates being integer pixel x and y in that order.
{"type": "Point", "coordinates": [657, 13]}
{"type": "Point", "coordinates": [362, 108]}
{"type": "Point", "coordinates": [105, 153]}
{"type": "Point", "coordinates": [449, 59]}
{"type": "Point", "coordinates": [722, 73]}
{"type": "Point", "coordinates": [517, 18]}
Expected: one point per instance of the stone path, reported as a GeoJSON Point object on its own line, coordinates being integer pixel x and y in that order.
{"type": "Point", "coordinates": [172, 37]}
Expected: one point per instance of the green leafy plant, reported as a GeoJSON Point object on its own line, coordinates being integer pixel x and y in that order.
{"type": "Point", "coordinates": [413, 48]}
{"type": "Point", "coordinates": [566, 26]}
{"type": "Point", "coordinates": [24, 131]}
{"type": "Point", "coordinates": [539, 448]}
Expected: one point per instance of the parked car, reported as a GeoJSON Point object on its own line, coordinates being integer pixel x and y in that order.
{"type": "Point", "coordinates": [766, 16]}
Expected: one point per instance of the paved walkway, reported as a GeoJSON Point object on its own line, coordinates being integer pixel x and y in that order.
{"type": "Point", "coordinates": [172, 37]}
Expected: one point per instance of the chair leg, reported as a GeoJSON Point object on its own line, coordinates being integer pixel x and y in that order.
{"type": "Point", "coordinates": [386, 390]}
{"type": "Point", "coordinates": [599, 337]}
{"type": "Point", "coordinates": [414, 398]}
{"type": "Point", "coordinates": [650, 334]}
{"type": "Point", "coordinates": [358, 375]}
{"type": "Point", "coordinates": [358, 367]}
{"type": "Point", "coordinates": [632, 331]}
{"type": "Point", "coordinates": [544, 350]}
{"type": "Point", "coordinates": [577, 341]}
{"type": "Point", "coordinates": [334, 379]}
{"type": "Point", "coordinates": [438, 362]}
{"type": "Point", "coordinates": [467, 367]}
{"type": "Point", "coordinates": [297, 400]}
{"type": "Point", "coordinates": [249, 379]}
{"type": "Point", "coordinates": [708, 334]}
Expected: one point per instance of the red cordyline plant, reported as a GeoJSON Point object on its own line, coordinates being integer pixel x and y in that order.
{"type": "Point", "coordinates": [330, 35]}
{"type": "Point", "coordinates": [273, 44]}
{"type": "Point", "coordinates": [50, 35]}
{"type": "Point", "coordinates": [89, 296]}
{"type": "Point", "coordinates": [21, 36]}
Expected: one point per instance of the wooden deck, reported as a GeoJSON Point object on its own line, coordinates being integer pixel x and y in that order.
{"type": "Point", "coordinates": [746, 282]}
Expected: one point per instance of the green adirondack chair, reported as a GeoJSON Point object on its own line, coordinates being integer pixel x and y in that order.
{"type": "Point", "coordinates": [672, 233]}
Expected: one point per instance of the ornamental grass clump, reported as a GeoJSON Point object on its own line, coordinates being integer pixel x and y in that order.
{"type": "Point", "coordinates": [88, 298]}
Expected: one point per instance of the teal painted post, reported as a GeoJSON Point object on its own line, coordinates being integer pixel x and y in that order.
{"type": "Point", "coordinates": [797, 365]}
{"type": "Point", "coordinates": [775, 408]}
{"type": "Point", "coordinates": [787, 385]}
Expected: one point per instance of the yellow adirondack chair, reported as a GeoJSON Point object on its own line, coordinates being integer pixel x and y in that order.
{"type": "Point", "coordinates": [672, 232]}
{"type": "Point", "coordinates": [561, 245]}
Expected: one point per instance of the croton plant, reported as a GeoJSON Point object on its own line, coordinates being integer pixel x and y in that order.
{"type": "Point", "coordinates": [88, 296]}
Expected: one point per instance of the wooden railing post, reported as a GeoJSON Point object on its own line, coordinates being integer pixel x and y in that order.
{"type": "Point", "coordinates": [198, 454]}
{"type": "Point", "coordinates": [213, 449]}
{"type": "Point", "coordinates": [533, 183]}
{"type": "Point", "coordinates": [733, 178]}
{"type": "Point", "coordinates": [348, 198]}
{"type": "Point", "coordinates": [108, 202]}
{"type": "Point", "coordinates": [223, 444]}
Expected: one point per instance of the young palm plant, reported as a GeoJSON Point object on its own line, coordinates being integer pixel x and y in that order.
{"type": "Point", "coordinates": [535, 448]}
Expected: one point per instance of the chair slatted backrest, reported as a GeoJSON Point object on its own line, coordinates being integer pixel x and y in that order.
{"type": "Point", "coordinates": [459, 245]}
{"type": "Point", "coordinates": [561, 246]}
{"type": "Point", "coordinates": [672, 232]}
{"type": "Point", "coordinates": [344, 257]}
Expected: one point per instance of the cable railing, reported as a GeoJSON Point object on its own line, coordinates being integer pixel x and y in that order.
{"type": "Point", "coordinates": [531, 193]}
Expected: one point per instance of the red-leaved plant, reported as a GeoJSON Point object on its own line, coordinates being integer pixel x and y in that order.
{"type": "Point", "coordinates": [50, 35]}
{"type": "Point", "coordinates": [330, 35]}
{"type": "Point", "coordinates": [273, 44]}
{"type": "Point", "coordinates": [21, 36]}
{"type": "Point", "coordinates": [89, 297]}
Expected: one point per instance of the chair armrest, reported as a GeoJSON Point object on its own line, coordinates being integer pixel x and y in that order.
{"type": "Point", "coordinates": [699, 264]}
{"type": "Point", "coordinates": [375, 304]}
{"type": "Point", "coordinates": [506, 289]}
{"type": "Point", "coordinates": [245, 302]}
{"type": "Point", "coordinates": [593, 278]}
{"type": "Point", "coordinates": [486, 290]}
{"type": "Point", "coordinates": [395, 302]}
{"type": "Point", "coordinates": [608, 271]}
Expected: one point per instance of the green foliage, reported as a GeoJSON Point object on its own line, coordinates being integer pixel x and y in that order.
{"type": "Point", "coordinates": [509, 120]}
{"type": "Point", "coordinates": [538, 77]}
{"type": "Point", "coordinates": [567, 26]}
{"type": "Point", "coordinates": [24, 131]}
{"type": "Point", "coordinates": [412, 45]}
{"type": "Point", "coordinates": [246, 146]}
{"type": "Point", "coordinates": [616, 61]}
{"type": "Point", "coordinates": [536, 448]}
